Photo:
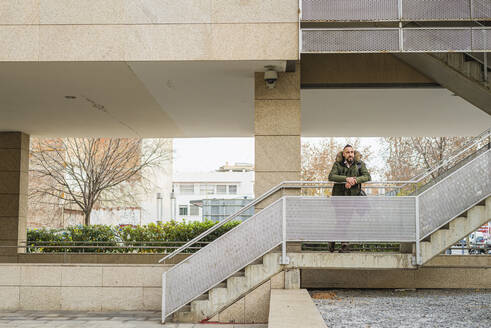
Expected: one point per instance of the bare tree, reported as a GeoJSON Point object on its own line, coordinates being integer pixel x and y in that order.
{"type": "Point", "coordinates": [93, 171]}
{"type": "Point", "coordinates": [409, 156]}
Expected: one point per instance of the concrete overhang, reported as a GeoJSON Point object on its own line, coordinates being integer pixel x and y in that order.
{"type": "Point", "coordinates": [208, 99]}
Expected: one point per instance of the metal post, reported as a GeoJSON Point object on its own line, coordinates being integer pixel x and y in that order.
{"type": "Point", "coordinates": [485, 56]}
{"type": "Point", "coordinates": [284, 258]}
{"type": "Point", "coordinates": [418, 251]}
{"type": "Point", "coordinates": [299, 28]}
{"type": "Point", "coordinates": [163, 297]}
{"type": "Point", "coordinates": [401, 34]}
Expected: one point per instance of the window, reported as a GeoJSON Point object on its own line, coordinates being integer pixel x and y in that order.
{"type": "Point", "coordinates": [232, 189]}
{"type": "Point", "coordinates": [221, 189]}
{"type": "Point", "coordinates": [186, 189]}
{"type": "Point", "coordinates": [206, 189]}
{"type": "Point", "coordinates": [193, 210]}
{"type": "Point", "coordinates": [183, 210]}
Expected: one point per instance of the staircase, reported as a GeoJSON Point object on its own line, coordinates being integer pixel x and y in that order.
{"type": "Point", "coordinates": [458, 228]}
{"type": "Point", "coordinates": [465, 64]}
{"type": "Point", "coordinates": [241, 260]}
{"type": "Point", "coordinates": [228, 291]}
{"type": "Point", "coordinates": [457, 72]}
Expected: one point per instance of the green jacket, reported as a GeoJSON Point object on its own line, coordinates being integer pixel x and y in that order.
{"type": "Point", "coordinates": [340, 171]}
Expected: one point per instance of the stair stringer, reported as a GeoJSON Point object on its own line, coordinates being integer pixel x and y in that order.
{"type": "Point", "coordinates": [454, 74]}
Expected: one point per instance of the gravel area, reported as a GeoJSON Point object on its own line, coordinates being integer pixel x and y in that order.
{"type": "Point", "coordinates": [404, 308]}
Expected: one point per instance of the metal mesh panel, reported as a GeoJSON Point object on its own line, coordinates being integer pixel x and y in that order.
{"type": "Point", "coordinates": [345, 218]}
{"type": "Point", "coordinates": [349, 10]}
{"type": "Point", "coordinates": [481, 9]}
{"type": "Point", "coordinates": [481, 39]}
{"type": "Point", "coordinates": [361, 40]}
{"type": "Point", "coordinates": [223, 257]}
{"type": "Point", "coordinates": [437, 39]}
{"type": "Point", "coordinates": [426, 10]}
{"type": "Point", "coordinates": [453, 195]}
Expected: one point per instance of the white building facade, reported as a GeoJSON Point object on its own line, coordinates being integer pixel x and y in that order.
{"type": "Point", "coordinates": [191, 188]}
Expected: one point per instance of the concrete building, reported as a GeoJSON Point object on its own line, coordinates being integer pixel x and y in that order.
{"type": "Point", "coordinates": [273, 69]}
{"type": "Point", "coordinates": [227, 183]}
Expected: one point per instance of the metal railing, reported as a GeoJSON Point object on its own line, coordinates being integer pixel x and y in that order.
{"type": "Point", "coordinates": [395, 40]}
{"type": "Point", "coordinates": [445, 200]}
{"type": "Point", "coordinates": [394, 10]}
{"type": "Point", "coordinates": [272, 191]}
{"type": "Point", "coordinates": [128, 247]}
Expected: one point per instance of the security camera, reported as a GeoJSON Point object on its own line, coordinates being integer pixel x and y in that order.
{"type": "Point", "coordinates": [270, 77]}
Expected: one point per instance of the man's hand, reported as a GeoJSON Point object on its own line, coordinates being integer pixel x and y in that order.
{"type": "Point", "coordinates": [347, 185]}
{"type": "Point", "coordinates": [351, 181]}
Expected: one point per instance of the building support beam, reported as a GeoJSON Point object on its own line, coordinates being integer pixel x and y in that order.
{"type": "Point", "coordinates": [277, 128]}
{"type": "Point", "coordinates": [14, 166]}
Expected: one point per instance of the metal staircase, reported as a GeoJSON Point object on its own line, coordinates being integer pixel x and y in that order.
{"type": "Point", "coordinates": [240, 260]}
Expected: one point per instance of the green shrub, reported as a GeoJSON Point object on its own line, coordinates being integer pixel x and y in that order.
{"type": "Point", "coordinates": [152, 238]}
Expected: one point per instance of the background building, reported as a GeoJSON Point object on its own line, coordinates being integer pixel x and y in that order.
{"type": "Point", "coordinates": [229, 182]}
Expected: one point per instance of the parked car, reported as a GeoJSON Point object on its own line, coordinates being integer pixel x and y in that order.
{"type": "Point", "coordinates": [478, 246]}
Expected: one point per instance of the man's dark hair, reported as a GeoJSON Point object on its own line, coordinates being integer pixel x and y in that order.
{"type": "Point", "coordinates": [348, 145]}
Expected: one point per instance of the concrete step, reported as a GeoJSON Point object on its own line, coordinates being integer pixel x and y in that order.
{"type": "Point", "coordinates": [473, 70]}
{"type": "Point", "coordinates": [455, 60]}
{"type": "Point", "coordinates": [293, 308]}
{"type": "Point", "coordinates": [236, 286]}
{"type": "Point", "coordinates": [458, 228]}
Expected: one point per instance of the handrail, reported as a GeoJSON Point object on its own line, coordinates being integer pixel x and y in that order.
{"type": "Point", "coordinates": [300, 184]}
{"type": "Point", "coordinates": [282, 185]}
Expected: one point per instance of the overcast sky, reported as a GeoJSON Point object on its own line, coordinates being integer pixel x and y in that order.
{"type": "Point", "coordinates": [208, 154]}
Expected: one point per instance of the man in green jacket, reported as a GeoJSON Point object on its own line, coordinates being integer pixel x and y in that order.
{"type": "Point", "coordinates": [349, 172]}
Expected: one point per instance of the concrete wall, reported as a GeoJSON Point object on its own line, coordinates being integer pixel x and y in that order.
{"type": "Point", "coordinates": [81, 287]}
{"type": "Point", "coordinates": [90, 258]}
{"type": "Point", "coordinates": [358, 70]}
{"type": "Point", "coordinates": [134, 30]}
{"type": "Point", "coordinates": [113, 287]}
{"type": "Point", "coordinates": [419, 278]}
{"type": "Point", "coordinates": [444, 271]}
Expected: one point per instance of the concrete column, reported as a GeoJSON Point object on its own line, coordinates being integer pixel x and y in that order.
{"type": "Point", "coordinates": [277, 128]}
{"type": "Point", "coordinates": [14, 166]}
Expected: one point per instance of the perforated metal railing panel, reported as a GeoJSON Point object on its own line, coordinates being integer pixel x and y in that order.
{"type": "Point", "coordinates": [223, 257]}
{"type": "Point", "coordinates": [388, 10]}
{"type": "Point", "coordinates": [427, 10]}
{"type": "Point", "coordinates": [481, 9]}
{"type": "Point", "coordinates": [349, 10]}
{"type": "Point", "coordinates": [455, 194]}
{"type": "Point", "coordinates": [354, 40]}
{"type": "Point", "coordinates": [344, 218]}
{"type": "Point", "coordinates": [437, 39]}
{"type": "Point", "coordinates": [481, 39]}
{"type": "Point", "coordinates": [381, 40]}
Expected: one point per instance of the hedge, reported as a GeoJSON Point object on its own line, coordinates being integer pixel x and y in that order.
{"type": "Point", "coordinates": [151, 238]}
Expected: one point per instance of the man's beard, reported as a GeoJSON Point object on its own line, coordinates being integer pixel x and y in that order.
{"type": "Point", "coordinates": [349, 160]}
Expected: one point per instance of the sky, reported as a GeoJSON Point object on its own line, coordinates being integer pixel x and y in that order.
{"type": "Point", "coordinates": [208, 154]}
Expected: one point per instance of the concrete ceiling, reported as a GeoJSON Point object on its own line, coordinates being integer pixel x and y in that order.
{"type": "Point", "coordinates": [389, 112]}
{"type": "Point", "coordinates": [207, 99]}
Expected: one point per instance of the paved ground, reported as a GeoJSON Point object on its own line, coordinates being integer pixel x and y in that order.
{"type": "Point", "coordinates": [51, 319]}
{"type": "Point", "coordinates": [404, 308]}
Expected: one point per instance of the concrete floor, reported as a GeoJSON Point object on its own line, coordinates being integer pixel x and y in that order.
{"type": "Point", "coordinates": [65, 319]}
